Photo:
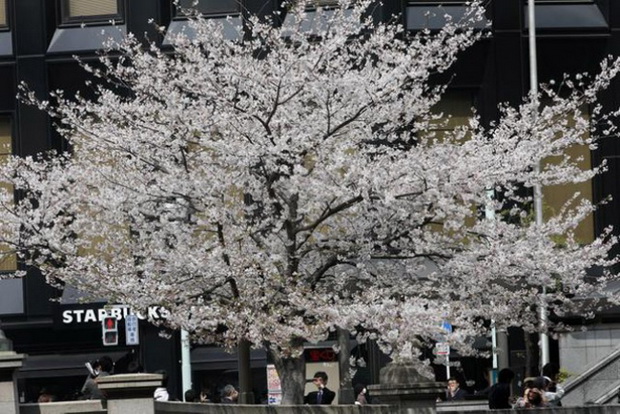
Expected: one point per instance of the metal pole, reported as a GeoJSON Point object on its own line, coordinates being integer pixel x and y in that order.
{"type": "Point", "coordinates": [538, 207]}
{"type": "Point", "coordinates": [186, 363]}
{"type": "Point", "coordinates": [489, 213]}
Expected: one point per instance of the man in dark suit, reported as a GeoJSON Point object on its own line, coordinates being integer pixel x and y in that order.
{"type": "Point", "coordinates": [323, 395]}
{"type": "Point", "coordinates": [454, 391]}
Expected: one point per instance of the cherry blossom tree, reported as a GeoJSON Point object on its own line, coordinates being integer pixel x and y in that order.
{"type": "Point", "coordinates": [278, 186]}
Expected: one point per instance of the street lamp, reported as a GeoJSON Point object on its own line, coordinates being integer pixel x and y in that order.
{"type": "Point", "coordinates": [538, 208]}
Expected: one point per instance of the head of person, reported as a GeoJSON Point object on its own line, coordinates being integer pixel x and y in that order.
{"type": "Point", "coordinates": [505, 376]}
{"type": "Point", "coordinates": [319, 379]}
{"type": "Point", "coordinates": [534, 396]}
{"type": "Point", "coordinates": [95, 368]}
{"type": "Point", "coordinates": [551, 370]}
{"type": "Point", "coordinates": [106, 364]}
{"type": "Point", "coordinates": [541, 383]}
{"type": "Point", "coordinates": [359, 389]}
{"type": "Point", "coordinates": [230, 392]}
{"type": "Point", "coordinates": [453, 384]}
{"type": "Point", "coordinates": [190, 396]}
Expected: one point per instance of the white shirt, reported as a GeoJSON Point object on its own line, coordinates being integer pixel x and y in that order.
{"type": "Point", "coordinates": [161, 394]}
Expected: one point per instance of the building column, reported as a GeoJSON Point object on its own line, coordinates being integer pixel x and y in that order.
{"type": "Point", "coordinates": [130, 393]}
{"type": "Point", "coordinates": [402, 386]}
{"type": "Point", "coordinates": [9, 363]}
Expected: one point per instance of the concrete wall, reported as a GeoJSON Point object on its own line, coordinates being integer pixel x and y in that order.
{"type": "Point", "coordinates": [578, 350]}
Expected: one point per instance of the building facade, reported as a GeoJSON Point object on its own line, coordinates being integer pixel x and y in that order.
{"type": "Point", "coordinates": [38, 42]}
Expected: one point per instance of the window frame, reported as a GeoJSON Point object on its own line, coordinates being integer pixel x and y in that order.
{"type": "Point", "coordinates": [10, 123]}
{"type": "Point", "coordinates": [180, 16]}
{"type": "Point", "coordinates": [65, 20]}
{"type": "Point", "coordinates": [7, 13]}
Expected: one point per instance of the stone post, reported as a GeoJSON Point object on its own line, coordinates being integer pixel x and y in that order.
{"type": "Point", "coordinates": [130, 393]}
{"type": "Point", "coordinates": [401, 385]}
{"type": "Point", "coordinates": [9, 363]}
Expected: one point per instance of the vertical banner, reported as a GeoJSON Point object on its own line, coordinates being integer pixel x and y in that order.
{"type": "Point", "coordinates": [274, 387]}
{"type": "Point", "coordinates": [132, 336]}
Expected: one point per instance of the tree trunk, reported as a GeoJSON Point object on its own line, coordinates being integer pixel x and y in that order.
{"type": "Point", "coordinates": [345, 395]}
{"type": "Point", "coordinates": [292, 373]}
{"type": "Point", "coordinates": [246, 395]}
{"type": "Point", "coordinates": [528, 353]}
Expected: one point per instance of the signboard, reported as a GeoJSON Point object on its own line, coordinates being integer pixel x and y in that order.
{"type": "Point", "coordinates": [71, 316]}
{"type": "Point", "coordinates": [274, 387]}
{"type": "Point", "coordinates": [320, 355]}
{"type": "Point", "coordinates": [442, 348]}
{"type": "Point", "coordinates": [132, 335]}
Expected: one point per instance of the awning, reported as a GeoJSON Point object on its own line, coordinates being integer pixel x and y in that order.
{"type": "Point", "coordinates": [61, 365]}
{"type": "Point", "coordinates": [205, 358]}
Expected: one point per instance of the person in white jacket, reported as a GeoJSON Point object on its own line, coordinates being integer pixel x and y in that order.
{"type": "Point", "coordinates": [161, 393]}
{"type": "Point", "coordinates": [553, 392]}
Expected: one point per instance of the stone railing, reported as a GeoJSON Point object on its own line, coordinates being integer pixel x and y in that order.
{"type": "Point", "coordinates": [591, 409]}
{"type": "Point", "coordinates": [185, 408]}
{"type": "Point", "coordinates": [89, 407]}
{"type": "Point", "coordinates": [133, 394]}
{"type": "Point", "coordinates": [64, 407]}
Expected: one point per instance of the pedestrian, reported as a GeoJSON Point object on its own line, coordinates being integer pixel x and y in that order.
{"type": "Point", "coordinates": [454, 392]}
{"type": "Point", "coordinates": [323, 395]}
{"type": "Point", "coordinates": [229, 395]}
{"type": "Point", "coordinates": [360, 392]}
{"type": "Point", "coordinates": [534, 396]}
{"type": "Point", "coordinates": [161, 393]}
{"type": "Point", "coordinates": [96, 369]}
{"type": "Point", "coordinates": [45, 396]}
{"type": "Point", "coordinates": [499, 394]}
{"type": "Point", "coordinates": [553, 390]}
{"type": "Point", "coordinates": [90, 389]}
{"type": "Point", "coordinates": [190, 396]}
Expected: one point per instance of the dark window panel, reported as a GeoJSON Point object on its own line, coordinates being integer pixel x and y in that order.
{"type": "Point", "coordinates": [212, 6]}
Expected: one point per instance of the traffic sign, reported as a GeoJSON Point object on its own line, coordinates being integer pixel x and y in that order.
{"type": "Point", "coordinates": [442, 348]}
{"type": "Point", "coordinates": [132, 333]}
{"type": "Point", "coordinates": [109, 327]}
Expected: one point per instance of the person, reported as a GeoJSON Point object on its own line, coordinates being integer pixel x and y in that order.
{"type": "Point", "coordinates": [204, 396]}
{"type": "Point", "coordinates": [499, 394]}
{"type": "Point", "coordinates": [45, 396]}
{"type": "Point", "coordinates": [454, 391]}
{"type": "Point", "coordinates": [229, 395]}
{"type": "Point", "coordinates": [553, 390]}
{"type": "Point", "coordinates": [161, 393]}
{"type": "Point", "coordinates": [97, 369]}
{"type": "Point", "coordinates": [532, 398]}
{"type": "Point", "coordinates": [323, 395]}
{"type": "Point", "coordinates": [90, 389]}
{"type": "Point", "coordinates": [359, 390]}
{"type": "Point", "coordinates": [190, 396]}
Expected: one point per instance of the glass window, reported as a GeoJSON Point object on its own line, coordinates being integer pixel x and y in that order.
{"type": "Point", "coordinates": [458, 105]}
{"type": "Point", "coordinates": [74, 9]}
{"type": "Point", "coordinates": [212, 6]}
{"type": "Point", "coordinates": [3, 19]}
{"type": "Point", "coordinates": [325, 2]}
{"type": "Point", "coordinates": [8, 263]}
{"type": "Point", "coordinates": [555, 197]}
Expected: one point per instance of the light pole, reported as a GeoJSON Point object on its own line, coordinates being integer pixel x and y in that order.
{"type": "Point", "coordinates": [538, 207]}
